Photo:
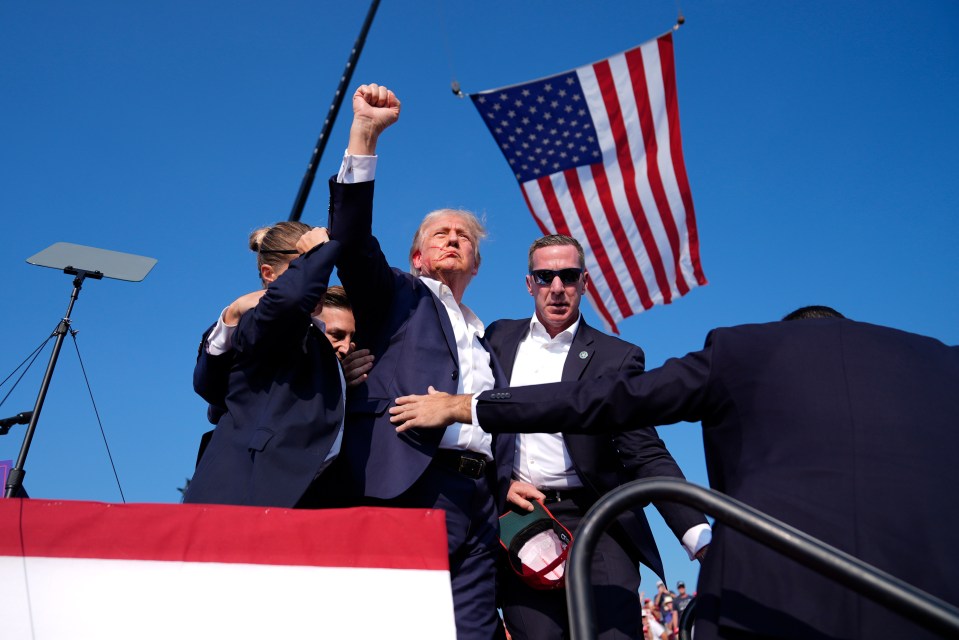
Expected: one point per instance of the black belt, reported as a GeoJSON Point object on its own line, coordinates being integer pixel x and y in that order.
{"type": "Point", "coordinates": [470, 464]}
{"type": "Point", "coordinates": [558, 495]}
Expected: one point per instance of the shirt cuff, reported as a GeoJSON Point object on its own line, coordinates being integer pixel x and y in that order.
{"type": "Point", "coordinates": [473, 410]}
{"type": "Point", "coordinates": [356, 169]}
{"type": "Point", "coordinates": [220, 340]}
{"type": "Point", "coordinates": [696, 538]}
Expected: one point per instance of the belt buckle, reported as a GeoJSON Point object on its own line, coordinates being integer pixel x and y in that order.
{"type": "Point", "coordinates": [471, 467]}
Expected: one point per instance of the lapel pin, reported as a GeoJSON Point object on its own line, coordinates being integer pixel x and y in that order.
{"type": "Point", "coordinates": [583, 355]}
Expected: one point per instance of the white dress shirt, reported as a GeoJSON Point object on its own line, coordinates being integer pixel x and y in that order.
{"type": "Point", "coordinates": [475, 371]}
{"type": "Point", "coordinates": [542, 459]}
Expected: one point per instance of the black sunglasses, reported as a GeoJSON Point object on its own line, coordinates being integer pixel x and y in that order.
{"type": "Point", "coordinates": [546, 276]}
{"type": "Point", "coordinates": [284, 251]}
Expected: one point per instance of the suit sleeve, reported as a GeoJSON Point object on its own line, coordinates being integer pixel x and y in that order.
{"type": "Point", "coordinates": [210, 378]}
{"type": "Point", "coordinates": [362, 268]}
{"type": "Point", "coordinates": [675, 392]}
{"type": "Point", "coordinates": [635, 360]}
{"type": "Point", "coordinates": [283, 313]}
{"type": "Point", "coordinates": [644, 455]}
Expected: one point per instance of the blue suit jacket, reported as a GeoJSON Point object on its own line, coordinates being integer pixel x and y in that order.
{"type": "Point", "coordinates": [842, 429]}
{"type": "Point", "coordinates": [602, 461]}
{"type": "Point", "coordinates": [283, 396]}
{"type": "Point", "coordinates": [409, 333]}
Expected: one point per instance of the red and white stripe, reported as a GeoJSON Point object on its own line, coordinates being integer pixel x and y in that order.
{"type": "Point", "coordinates": [92, 570]}
{"type": "Point", "coordinates": [634, 209]}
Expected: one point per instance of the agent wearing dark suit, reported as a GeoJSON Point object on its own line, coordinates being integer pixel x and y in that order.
{"type": "Point", "coordinates": [420, 335]}
{"type": "Point", "coordinates": [602, 462]}
{"type": "Point", "coordinates": [211, 375]}
{"type": "Point", "coordinates": [842, 429]}
{"type": "Point", "coordinates": [571, 472]}
{"type": "Point", "coordinates": [283, 396]}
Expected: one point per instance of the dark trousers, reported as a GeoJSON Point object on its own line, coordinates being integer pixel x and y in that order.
{"type": "Point", "coordinates": [531, 614]}
{"type": "Point", "coordinates": [473, 536]}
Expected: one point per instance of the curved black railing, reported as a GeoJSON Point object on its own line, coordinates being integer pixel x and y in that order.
{"type": "Point", "coordinates": [920, 607]}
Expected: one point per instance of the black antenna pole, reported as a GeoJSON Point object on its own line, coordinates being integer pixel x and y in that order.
{"type": "Point", "coordinates": [307, 182]}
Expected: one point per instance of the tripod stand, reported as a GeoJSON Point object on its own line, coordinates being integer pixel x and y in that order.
{"type": "Point", "coordinates": [98, 263]}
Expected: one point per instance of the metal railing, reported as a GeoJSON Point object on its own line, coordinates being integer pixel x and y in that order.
{"type": "Point", "coordinates": [918, 606]}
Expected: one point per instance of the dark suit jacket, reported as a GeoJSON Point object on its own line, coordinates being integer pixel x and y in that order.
{"type": "Point", "coordinates": [211, 375]}
{"type": "Point", "coordinates": [842, 429]}
{"type": "Point", "coordinates": [409, 333]}
{"type": "Point", "coordinates": [602, 461]}
{"type": "Point", "coordinates": [283, 396]}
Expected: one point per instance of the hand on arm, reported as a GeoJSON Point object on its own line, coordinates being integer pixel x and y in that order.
{"type": "Point", "coordinates": [356, 367]}
{"type": "Point", "coordinates": [374, 109]}
{"type": "Point", "coordinates": [520, 493]}
{"type": "Point", "coordinates": [433, 411]}
{"type": "Point", "coordinates": [232, 314]}
{"type": "Point", "coordinates": [313, 237]}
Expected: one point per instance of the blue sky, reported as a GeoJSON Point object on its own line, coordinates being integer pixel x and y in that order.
{"type": "Point", "coordinates": [820, 141]}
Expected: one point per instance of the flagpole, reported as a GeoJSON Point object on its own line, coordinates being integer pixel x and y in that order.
{"type": "Point", "coordinates": [308, 178]}
{"type": "Point", "coordinates": [680, 18]}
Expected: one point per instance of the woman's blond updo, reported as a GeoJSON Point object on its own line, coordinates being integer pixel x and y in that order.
{"type": "Point", "coordinates": [267, 242]}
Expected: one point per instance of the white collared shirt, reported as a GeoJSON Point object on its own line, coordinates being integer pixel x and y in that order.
{"type": "Point", "coordinates": [475, 370]}
{"type": "Point", "coordinates": [542, 459]}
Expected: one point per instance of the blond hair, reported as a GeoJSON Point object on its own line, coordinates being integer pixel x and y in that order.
{"type": "Point", "coordinates": [282, 236]}
{"type": "Point", "coordinates": [474, 227]}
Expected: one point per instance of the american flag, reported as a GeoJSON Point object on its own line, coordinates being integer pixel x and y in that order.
{"type": "Point", "coordinates": [598, 156]}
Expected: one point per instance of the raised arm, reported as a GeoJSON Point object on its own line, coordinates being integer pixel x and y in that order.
{"type": "Point", "coordinates": [283, 313]}
{"type": "Point", "coordinates": [362, 267]}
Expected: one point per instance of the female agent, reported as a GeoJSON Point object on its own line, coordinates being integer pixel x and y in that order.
{"type": "Point", "coordinates": [284, 396]}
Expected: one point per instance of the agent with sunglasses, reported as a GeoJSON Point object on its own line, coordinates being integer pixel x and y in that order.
{"type": "Point", "coordinates": [569, 472]}
{"type": "Point", "coordinates": [284, 392]}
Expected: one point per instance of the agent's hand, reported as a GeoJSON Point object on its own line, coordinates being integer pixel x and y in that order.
{"type": "Point", "coordinates": [433, 411]}
{"type": "Point", "coordinates": [356, 367]}
{"type": "Point", "coordinates": [240, 306]}
{"type": "Point", "coordinates": [312, 238]}
{"type": "Point", "coordinates": [374, 109]}
{"type": "Point", "coordinates": [520, 493]}
{"type": "Point", "coordinates": [701, 554]}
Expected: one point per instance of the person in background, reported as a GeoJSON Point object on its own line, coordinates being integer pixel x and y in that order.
{"type": "Point", "coordinates": [654, 624]}
{"type": "Point", "coordinates": [670, 619]}
{"type": "Point", "coordinates": [681, 599]}
{"type": "Point", "coordinates": [662, 592]}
